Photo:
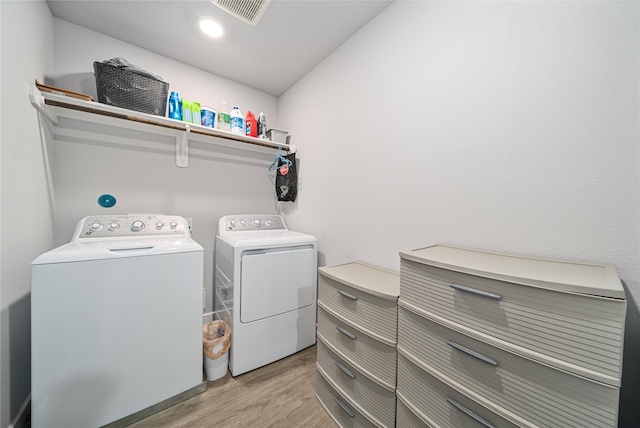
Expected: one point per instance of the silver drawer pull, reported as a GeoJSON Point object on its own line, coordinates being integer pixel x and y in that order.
{"type": "Point", "coordinates": [343, 407]}
{"type": "Point", "coordinates": [346, 333]}
{"type": "Point", "coordinates": [476, 292]}
{"type": "Point", "coordinates": [345, 370]}
{"type": "Point", "coordinates": [474, 354]}
{"type": "Point", "coordinates": [469, 413]}
{"type": "Point", "coordinates": [347, 295]}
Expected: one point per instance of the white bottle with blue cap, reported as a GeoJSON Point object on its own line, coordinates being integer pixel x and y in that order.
{"type": "Point", "coordinates": [237, 121]}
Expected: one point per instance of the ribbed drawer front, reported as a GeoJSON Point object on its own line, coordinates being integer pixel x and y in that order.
{"type": "Point", "coordinates": [542, 395]}
{"type": "Point", "coordinates": [343, 413]}
{"type": "Point", "coordinates": [406, 418]}
{"type": "Point", "coordinates": [375, 401]}
{"type": "Point", "coordinates": [375, 358]}
{"type": "Point", "coordinates": [376, 316]}
{"type": "Point", "coordinates": [577, 331]}
{"type": "Point", "coordinates": [427, 396]}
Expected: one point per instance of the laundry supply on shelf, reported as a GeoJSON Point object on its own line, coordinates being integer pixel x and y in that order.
{"type": "Point", "coordinates": [175, 106]}
{"type": "Point", "coordinates": [237, 121]}
{"type": "Point", "coordinates": [262, 126]}
{"type": "Point", "coordinates": [186, 111]}
{"type": "Point", "coordinates": [195, 113]}
{"type": "Point", "coordinates": [208, 116]}
{"type": "Point", "coordinates": [251, 125]}
{"type": "Point", "coordinates": [223, 117]}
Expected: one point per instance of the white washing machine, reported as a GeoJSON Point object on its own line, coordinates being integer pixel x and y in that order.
{"type": "Point", "coordinates": [116, 320]}
{"type": "Point", "coordinates": [265, 289]}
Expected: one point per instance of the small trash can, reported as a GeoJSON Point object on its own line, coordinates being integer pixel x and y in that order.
{"type": "Point", "coordinates": [216, 340]}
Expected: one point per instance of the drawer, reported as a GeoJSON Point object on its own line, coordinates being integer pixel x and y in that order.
{"type": "Point", "coordinates": [540, 394]}
{"type": "Point", "coordinates": [575, 332]}
{"type": "Point", "coordinates": [374, 358]}
{"type": "Point", "coordinates": [421, 397]}
{"type": "Point", "coordinates": [406, 418]}
{"type": "Point", "coordinates": [342, 412]}
{"type": "Point", "coordinates": [374, 401]}
{"type": "Point", "coordinates": [374, 315]}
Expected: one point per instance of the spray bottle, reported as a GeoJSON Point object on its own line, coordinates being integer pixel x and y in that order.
{"type": "Point", "coordinates": [262, 126]}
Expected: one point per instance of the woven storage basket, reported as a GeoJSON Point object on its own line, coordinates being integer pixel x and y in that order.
{"type": "Point", "coordinates": [121, 87]}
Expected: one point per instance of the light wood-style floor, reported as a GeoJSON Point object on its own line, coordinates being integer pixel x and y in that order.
{"type": "Point", "coordinates": [281, 394]}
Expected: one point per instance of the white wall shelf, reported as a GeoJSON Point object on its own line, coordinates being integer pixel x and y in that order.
{"type": "Point", "coordinates": [53, 105]}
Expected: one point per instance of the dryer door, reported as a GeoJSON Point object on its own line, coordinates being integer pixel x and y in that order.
{"type": "Point", "coordinates": [273, 282]}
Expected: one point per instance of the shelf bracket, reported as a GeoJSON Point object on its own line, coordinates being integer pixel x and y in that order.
{"type": "Point", "coordinates": [182, 148]}
{"type": "Point", "coordinates": [37, 101]}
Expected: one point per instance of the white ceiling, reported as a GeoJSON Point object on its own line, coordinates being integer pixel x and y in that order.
{"type": "Point", "coordinates": [292, 37]}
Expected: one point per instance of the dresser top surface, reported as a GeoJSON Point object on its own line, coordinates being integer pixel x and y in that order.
{"type": "Point", "coordinates": [366, 278]}
{"type": "Point", "coordinates": [584, 278]}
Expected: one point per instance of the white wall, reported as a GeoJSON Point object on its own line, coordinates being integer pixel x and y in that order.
{"type": "Point", "coordinates": [140, 170]}
{"type": "Point", "coordinates": [26, 218]}
{"type": "Point", "coordinates": [503, 126]}
{"type": "Point", "coordinates": [506, 126]}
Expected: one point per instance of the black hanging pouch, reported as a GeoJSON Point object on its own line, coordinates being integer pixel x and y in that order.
{"type": "Point", "coordinates": [287, 178]}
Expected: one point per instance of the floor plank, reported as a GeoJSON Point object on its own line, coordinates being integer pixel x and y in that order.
{"type": "Point", "coordinates": [281, 394]}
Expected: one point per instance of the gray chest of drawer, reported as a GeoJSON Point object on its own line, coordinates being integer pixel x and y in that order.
{"type": "Point", "coordinates": [357, 336]}
{"type": "Point", "coordinates": [534, 342]}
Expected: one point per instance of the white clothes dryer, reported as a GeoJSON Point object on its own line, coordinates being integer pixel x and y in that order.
{"type": "Point", "coordinates": [265, 289]}
{"type": "Point", "coordinates": [116, 321]}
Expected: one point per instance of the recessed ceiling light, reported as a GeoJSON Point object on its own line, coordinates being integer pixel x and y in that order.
{"type": "Point", "coordinates": [210, 26]}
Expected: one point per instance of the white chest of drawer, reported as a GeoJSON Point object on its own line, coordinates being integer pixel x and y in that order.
{"type": "Point", "coordinates": [423, 399]}
{"type": "Point", "coordinates": [342, 412]}
{"type": "Point", "coordinates": [357, 336]}
{"type": "Point", "coordinates": [539, 393]}
{"type": "Point", "coordinates": [377, 402]}
{"type": "Point", "coordinates": [555, 330]}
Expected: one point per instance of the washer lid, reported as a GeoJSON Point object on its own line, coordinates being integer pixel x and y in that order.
{"type": "Point", "coordinates": [114, 248]}
{"type": "Point", "coordinates": [261, 238]}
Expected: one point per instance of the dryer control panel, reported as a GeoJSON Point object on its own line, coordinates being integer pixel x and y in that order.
{"type": "Point", "coordinates": [103, 226]}
{"type": "Point", "coordinates": [252, 222]}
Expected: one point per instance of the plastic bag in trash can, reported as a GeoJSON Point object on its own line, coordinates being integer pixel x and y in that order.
{"type": "Point", "coordinates": [216, 338]}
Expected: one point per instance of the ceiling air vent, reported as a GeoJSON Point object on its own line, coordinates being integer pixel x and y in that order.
{"type": "Point", "coordinates": [250, 11]}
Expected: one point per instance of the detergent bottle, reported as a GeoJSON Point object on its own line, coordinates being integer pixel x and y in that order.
{"type": "Point", "coordinates": [251, 125]}
{"type": "Point", "coordinates": [237, 121]}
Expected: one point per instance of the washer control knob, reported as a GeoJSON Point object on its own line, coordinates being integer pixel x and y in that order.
{"type": "Point", "coordinates": [114, 226]}
{"type": "Point", "coordinates": [268, 222]}
{"type": "Point", "coordinates": [173, 224]}
{"type": "Point", "coordinates": [159, 225]}
{"type": "Point", "coordinates": [232, 223]}
{"type": "Point", "coordinates": [255, 222]}
{"type": "Point", "coordinates": [95, 226]}
{"type": "Point", "coordinates": [137, 226]}
{"type": "Point", "coordinates": [243, 223]}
